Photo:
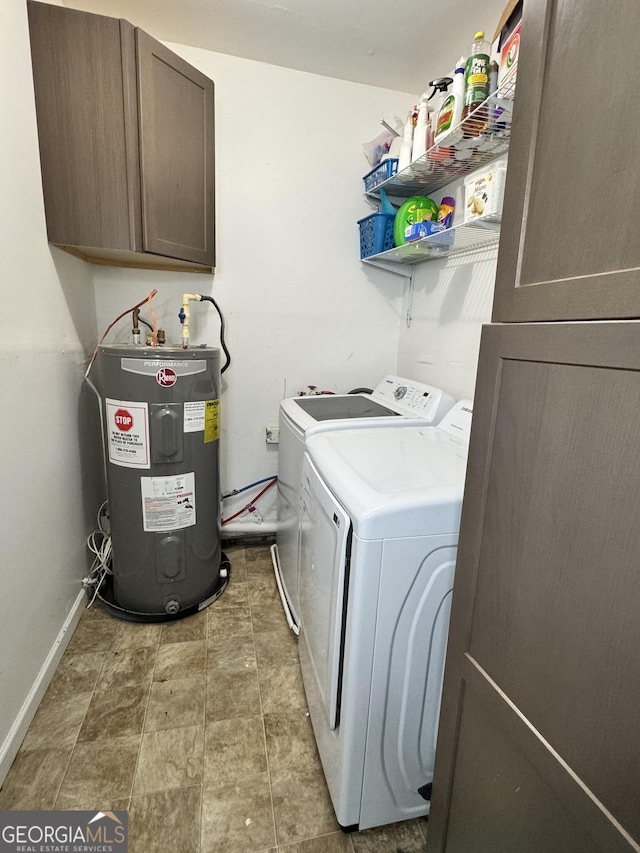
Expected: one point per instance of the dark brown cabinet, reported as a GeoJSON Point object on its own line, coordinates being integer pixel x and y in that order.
{"type": "Point", "coordinates": [569, 248]}
{"type": "Point", "coordinates": [126, 133]}
{"type": "Point", "coordinates": [538, 748]}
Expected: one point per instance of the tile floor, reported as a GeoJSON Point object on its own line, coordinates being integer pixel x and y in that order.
{"type": "Point", "coordinates": [198, 727]}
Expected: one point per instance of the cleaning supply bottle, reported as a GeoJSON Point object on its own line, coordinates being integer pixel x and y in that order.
{"type": "Point", "coordinates": [493, 77]}
{"type": "Point", "coordinates": [447, 130]}
{"type": "Point", "coordinates": [438, 95]}
{"type": "Point", "coordinates": [420, 142]}
{"type": "Point", "coordinates": [404, 157]}
{"type": "Point", "coordinates": [476, 85]}
{"type": "Point", "coordinates": [494, 111]}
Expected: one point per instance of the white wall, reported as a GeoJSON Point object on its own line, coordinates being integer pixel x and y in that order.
{"type": "Point", "coordinates": [443, 310]}
{"type": "Point", "coordinates": [447, 305]}
{"type": "Point", "coordinates": [299, 306]}
{"type": "Point", "coordinates": [47, 321]}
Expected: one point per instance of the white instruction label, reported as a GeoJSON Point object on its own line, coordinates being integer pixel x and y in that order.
{"type": "Point", "coordinates": [194, 416]}
{"type": "Point", "coordinates": [168, 503]}
{"type": "Point", "coordinates": [128, 433]}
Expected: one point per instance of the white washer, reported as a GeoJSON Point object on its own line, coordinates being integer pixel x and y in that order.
{"type": "Point", "coordinates": [378, 541]}
{"type": "Point", "coordinates": [299, 417]}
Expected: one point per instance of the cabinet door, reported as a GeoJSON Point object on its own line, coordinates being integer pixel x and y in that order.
{"type": "Point", "coordinates": [538, 748]}
{"type": "Point", "coordinates": [176, 154]}
{"type": "Point", "coordinates": [569, 246]}
{"type": "Point", "coordinates": [85, 126]}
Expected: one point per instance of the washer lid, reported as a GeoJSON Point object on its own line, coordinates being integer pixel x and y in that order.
{"type": "Point", "coordinates": [395, 480]}
{"type": "Point", "coordinates": [340, 406]}
{"type": "Point", "coordinates": [393, 396]}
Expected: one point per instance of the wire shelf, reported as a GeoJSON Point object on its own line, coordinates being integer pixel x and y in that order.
{"type": "Point", "coordinates": [484, 137]}
{"type": "Point", "coordinates": [469, 237]}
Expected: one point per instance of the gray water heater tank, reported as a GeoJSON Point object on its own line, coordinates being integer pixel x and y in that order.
{"type": "Point", "coordinates": [161, 433]}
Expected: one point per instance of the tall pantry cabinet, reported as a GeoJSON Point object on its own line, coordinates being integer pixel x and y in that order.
{"type": "Point", "coordinates": [539, 746]}
{"type": "Point", "coordinates": [126, 133]}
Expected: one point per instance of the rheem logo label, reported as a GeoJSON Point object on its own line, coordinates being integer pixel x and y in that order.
{"type": "Point", "coordinates": [123, 420]}
{"type": "Point", "coordinates": [166, 377]}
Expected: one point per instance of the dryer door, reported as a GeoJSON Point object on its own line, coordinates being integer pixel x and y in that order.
{"type": "Point", "coordinates": [325, 532]}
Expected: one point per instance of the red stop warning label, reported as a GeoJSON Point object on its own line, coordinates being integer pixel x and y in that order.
{"type": "Point", "coordinates": [127, 429]}
{"type": "Point", "coordinates": [123, 420]}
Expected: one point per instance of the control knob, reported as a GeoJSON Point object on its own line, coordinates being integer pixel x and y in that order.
{"type": "Point", "coordinates": [400, 391]}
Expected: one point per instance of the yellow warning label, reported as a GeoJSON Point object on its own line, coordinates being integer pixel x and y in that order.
{"type": "Point", "coordinates": [211, 420]}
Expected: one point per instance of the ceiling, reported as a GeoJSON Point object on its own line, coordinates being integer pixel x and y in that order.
{"type": "Point", "coordinates": [365, 41]}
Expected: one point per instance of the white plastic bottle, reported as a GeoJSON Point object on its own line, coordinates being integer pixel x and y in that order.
{"type": "Point", "coordinates": [447, 130]}
{"type": "Point", "coordinates": [404, 157]}
{"type": "Point", "coordinates": [419, 147]}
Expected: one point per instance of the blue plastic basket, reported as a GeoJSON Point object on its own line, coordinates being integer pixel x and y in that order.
{"type": "Point", "coordinates": [376, 234]}
{"type": "Point", "coordinates": [381, 173]}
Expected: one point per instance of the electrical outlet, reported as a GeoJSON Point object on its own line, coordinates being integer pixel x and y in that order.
{"type": "Point", "coordinates": [272, 434]}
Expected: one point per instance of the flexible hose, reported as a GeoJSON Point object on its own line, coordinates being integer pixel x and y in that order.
{"type": "Point", "coordinates": [244, 488]}
{"type": "Point", "coordinates": [251, 503]}
{"type": "Point", "coordinates": [222, 341]}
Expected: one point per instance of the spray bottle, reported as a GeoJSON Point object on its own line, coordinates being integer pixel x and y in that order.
{"type": "Point", "coordinates": [447, 130]}
{"type": "Point", "coordinates": [441, 155]}
{"type": "Point", "coordinates": [438, 94]}
{"type": "Point", "coordinates": [421, 132]}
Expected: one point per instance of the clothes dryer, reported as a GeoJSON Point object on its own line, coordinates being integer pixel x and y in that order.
{"type": "Point", "coordinates": [378, 540]}
{"type": "Point", "coordinates": [394, 399]}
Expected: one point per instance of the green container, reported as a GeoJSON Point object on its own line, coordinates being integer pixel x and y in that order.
{"type": "Point", "coordinates": [415, 209]}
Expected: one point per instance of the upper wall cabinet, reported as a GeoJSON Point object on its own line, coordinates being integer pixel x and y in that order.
{"type": "Point", "coordinates": [569, 247]}
{"type": "Point", "coordinates": [126, 131]}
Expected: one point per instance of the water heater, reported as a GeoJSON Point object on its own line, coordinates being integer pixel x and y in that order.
{"type": "Point", "coordinates": [160, 420]}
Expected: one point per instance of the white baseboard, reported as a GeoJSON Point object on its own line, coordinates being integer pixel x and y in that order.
{"type": "Point", "coordinates": [18, 730]}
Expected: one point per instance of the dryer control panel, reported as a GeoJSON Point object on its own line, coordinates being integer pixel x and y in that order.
{"type": "Point", "coordinates": [413, 399]}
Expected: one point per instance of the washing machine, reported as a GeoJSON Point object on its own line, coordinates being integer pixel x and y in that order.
{"type": "Point", "coordinates": [393, 399]}
{"type": "Point", "coordinates": [378, 540]}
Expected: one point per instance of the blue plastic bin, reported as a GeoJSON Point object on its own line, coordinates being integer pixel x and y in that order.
{"type": "Point", "coordinates": [376, 234]}
{"type": "Point", "coordinates": [381, 173]}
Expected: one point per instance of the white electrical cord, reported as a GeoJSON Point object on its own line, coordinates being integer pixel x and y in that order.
{"type": "Point", "coordinates": [275, 560]}
{"type": "Point", "coordinates": [99, 543]}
